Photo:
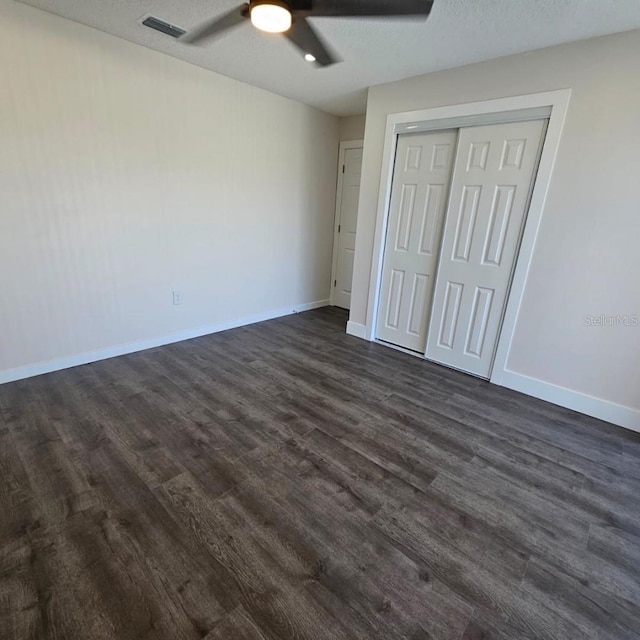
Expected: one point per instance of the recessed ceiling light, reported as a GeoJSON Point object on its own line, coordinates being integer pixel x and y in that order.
{"type": "Point", "coordinates": [272, 16]}
{"type": "Point", "coordinates": [309, 57]}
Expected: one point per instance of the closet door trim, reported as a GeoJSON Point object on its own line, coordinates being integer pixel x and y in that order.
{"type": "Point", "coordinates": [532, 106]}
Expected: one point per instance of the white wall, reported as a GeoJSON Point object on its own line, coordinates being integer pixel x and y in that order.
{"type": "Point", "coordinates": [352, 127]}
{"type": "Point", "coordinates": [126, 174]}
{"type": "Point", "coordinates": [587, 257]}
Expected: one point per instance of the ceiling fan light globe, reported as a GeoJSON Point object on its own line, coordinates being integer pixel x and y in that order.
{"type": "Point", "coordinates": [272, 16]}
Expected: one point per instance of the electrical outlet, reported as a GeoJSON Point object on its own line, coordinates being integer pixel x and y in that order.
{"type": "Point", "coordinates": [177, 298]}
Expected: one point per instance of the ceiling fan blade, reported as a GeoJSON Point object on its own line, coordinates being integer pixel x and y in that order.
{"type": "Point", "coordinates": [218, 25]}
{"type": "Point", "coordinates": [363, 8]}
{"type": "Point", "coordinates": [303, 36]}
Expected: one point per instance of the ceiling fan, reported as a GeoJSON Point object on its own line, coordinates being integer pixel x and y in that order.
{"type": "Point", "coordinates": [289, 17]}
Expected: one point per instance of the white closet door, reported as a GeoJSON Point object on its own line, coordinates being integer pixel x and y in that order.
{"type": "Point", "coordinates": [492, 180]}
{"type": "Point", "coordinates": [420, 188]}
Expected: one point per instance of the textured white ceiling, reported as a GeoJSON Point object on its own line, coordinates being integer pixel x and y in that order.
{"type": "Point", "coordinates": [458, 32]}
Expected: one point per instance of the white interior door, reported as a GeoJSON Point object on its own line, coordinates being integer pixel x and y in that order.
{"type": "Point", "coordinates": [419, 193]}
{"type": "Point", "coordinates": [347, 218]}
{"type": "Point", "coordinates": [493, 176]}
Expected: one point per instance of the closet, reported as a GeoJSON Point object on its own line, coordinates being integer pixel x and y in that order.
{"type": "Point", "coordinates": [459, 200]}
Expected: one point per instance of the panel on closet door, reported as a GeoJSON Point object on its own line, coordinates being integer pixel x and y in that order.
{"type": "Point", "coordinates": [466, 223]}
{"type": "Point", "coordinates": [418, 201]}
{"type": "Point", "coordinates": [492, 180]}
{"type": "Point", "coordinates": [450, 313]}
{"type": "Point", "coordinates": [395, 298]}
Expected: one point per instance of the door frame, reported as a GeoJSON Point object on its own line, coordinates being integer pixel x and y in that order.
{"type": "Point", "coordinates": [344, 146]}
{"type": "Point", "coordinates": [552, 105]}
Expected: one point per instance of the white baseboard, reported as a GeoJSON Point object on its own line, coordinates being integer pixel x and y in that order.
{"type": "Point", "coordinates": [589, 405]}
{"type": "Point", "coordinates": [29, 371]}
{"type": "Point", "coordinates": [309, 306]}
{"type": "Point", "coordinates": [356, 329]}
{"type": "Point", "coordinates": [583, 403]}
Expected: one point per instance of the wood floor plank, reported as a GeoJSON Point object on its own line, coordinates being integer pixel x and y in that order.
{"type": "Point", "coordinates": [72, 584]}
{"type": "Point", "coordinates": [286, 481]}
{"type": "Point", "coordinates": [58, 486]}
{"type": "Point", "coordinates": [597, 449]}
{"type": "Point", "coordinates": [16, 499]}
{"type": "Point", "coordinates": [485, 626]}
{"type": "Point", "coordinates": [599, 615]}
{"type": "Point", "coordinates": [237, 625]}
{"type": "Point", "coordinates": [474, 583]}
{"type": "Point", "coordinates": [390, 593]}
{"type": "Point", "coordinates": [266, 572]}
{"type": "Point", "coordinates": [151, 536]}
{"type": "Point", "coordinates": [524, 440]}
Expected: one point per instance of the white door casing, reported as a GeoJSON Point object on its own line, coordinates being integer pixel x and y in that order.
{"type": "Point", "coordinates": [493, 176]}
{"type": "Point", "coordinates": [419, 194]}
{"type": "Point", "coordinates": [350, 168]}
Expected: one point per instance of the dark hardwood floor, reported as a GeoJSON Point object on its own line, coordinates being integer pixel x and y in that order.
{"type": "Point", "coordinates": [287, 481]}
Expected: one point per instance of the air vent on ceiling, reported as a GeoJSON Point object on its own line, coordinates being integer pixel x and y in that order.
{"type": "Point", "coordinates": [164, 27]}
